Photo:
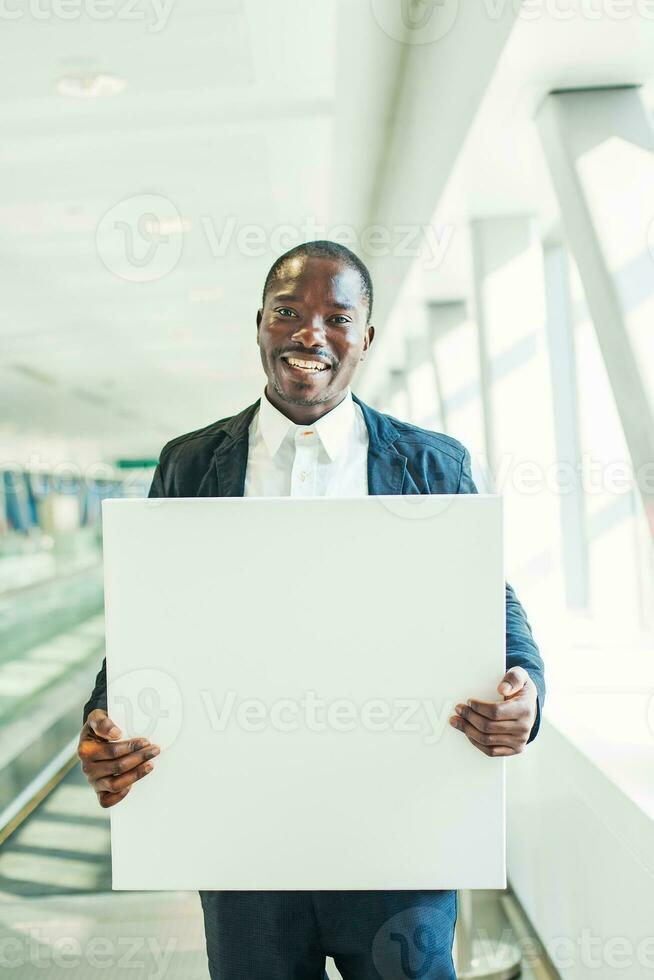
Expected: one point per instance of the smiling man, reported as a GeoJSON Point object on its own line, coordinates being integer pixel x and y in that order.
{"type": "Point", "coordinates": [309, 436]}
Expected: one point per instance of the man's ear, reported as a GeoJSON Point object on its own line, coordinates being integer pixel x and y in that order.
{"type": "Point", "coordinates": [259, 318]}
{"type": "Point", "coordinates": [370, 336]}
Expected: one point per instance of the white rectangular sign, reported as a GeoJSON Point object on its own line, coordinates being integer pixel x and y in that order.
{"type": "Point", "coordinates": [298, 660]}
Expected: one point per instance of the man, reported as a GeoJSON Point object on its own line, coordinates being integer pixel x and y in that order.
{"type": "Point", "coordinates": [308, 436]}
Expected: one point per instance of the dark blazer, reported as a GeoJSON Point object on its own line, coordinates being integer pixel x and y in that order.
{"type": "Point", "coordinates": [402, 459]}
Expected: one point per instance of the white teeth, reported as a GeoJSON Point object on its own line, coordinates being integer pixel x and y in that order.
{"type": "Point", "coordinates": [306, 365]}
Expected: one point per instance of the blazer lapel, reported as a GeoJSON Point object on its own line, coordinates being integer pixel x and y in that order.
{"type": "Point", "coordinates": [231, 457]}
{"type": "Point", "coordinates": [387, 468]}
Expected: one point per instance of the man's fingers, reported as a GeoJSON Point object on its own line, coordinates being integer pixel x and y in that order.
{"type": "Point", "coordinates": [496, 751]}
{"type": "Point", "coordinates": [116, 767]}
{"type": "Point", "coordinates": [92, 751]}
{"type": "Point", "coordinates": [513, 726]}
{"type": "Point", "coordinates": [110, 799]}
{"type": "Point", "coordinates": [513, 681]}
{"type": "Point", "coordinates": [509, 710]}
{"type": "Point", "coordinates": [483, 738]}
{"type": "Point", "coordinates": [115, 784]}
{"type": "Point", "coordinates": [492, 744]}
{"type": "Point", "coordinates": [101, 725]}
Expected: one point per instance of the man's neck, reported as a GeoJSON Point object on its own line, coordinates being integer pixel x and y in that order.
{"type": "Point", "coordinates": [303, 414]}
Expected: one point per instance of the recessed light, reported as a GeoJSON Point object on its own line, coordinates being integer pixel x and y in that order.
{"type": "Point", "coordinates": [206, 295]}
{"type": "Point", "coordinates": [90, 86]}
{"type": "Point", "coordinates": [166, 226]}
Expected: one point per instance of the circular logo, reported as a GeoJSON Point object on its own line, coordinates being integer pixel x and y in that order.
{"type": "Point", "coordinates": [141, 238]}
{"type": "Point", "coordinates": [415, 21]}
{"type": "Point", "coordinates": [416, 507]}
{"type": "Point", "coordinates": [147, 704]}
{"type": "Point", "coordinates": [414, 942]}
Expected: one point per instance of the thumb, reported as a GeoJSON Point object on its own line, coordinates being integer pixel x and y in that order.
{"type": "Point", "coordinates": [101, 725]}
{"type": "Point", "coordinates": [513, 681]}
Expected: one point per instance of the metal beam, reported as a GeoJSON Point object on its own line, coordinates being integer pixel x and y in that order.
{"type": "Point", "coordinates": [562, 360]}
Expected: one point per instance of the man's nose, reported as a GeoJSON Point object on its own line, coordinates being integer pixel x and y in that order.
{"type": "Point", "coordinates": [311, 333]}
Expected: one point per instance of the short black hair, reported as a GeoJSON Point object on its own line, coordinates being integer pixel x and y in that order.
{"type": "Point", "coordinates": [323, 250]}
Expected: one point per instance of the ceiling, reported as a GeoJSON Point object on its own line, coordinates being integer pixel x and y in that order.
{"type": "Point", "coordinates": [243, 127]}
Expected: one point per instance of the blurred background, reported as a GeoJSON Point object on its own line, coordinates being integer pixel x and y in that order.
{"type": "Point", "coordinates": [493, 164]}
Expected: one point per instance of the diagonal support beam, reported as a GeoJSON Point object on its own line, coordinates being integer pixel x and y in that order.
{"type": "Point", "coordinates": [571, 124]}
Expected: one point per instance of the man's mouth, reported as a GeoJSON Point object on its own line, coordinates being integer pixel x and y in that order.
{"type": "Point", "coordinates": [306, 364]}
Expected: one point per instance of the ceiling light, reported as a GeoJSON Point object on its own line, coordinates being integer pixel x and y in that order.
{"type": "Point", "coordinates": [90, 86]}
{"type": "Point", "coordinates": [166, 226]}
{"type": "Point", "coordinates": [206, 295]}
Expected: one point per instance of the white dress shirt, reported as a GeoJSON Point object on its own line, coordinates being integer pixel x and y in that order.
{"type": "Point", "coordinates": [328, 458]}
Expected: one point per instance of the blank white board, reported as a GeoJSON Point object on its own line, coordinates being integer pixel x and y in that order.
{"type": "Point", "coordinates": [297, 661]}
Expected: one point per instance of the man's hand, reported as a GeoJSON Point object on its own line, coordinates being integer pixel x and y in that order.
{"type": "Point", "coordinates": [112, 766]}
{"type": "Point", "coordinates": [500, 727]}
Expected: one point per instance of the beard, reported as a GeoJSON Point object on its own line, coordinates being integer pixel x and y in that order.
{"type": "Point", "coordinates": [299, 398]}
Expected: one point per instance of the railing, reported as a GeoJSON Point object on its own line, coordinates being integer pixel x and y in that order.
{"type": "Point", "coordinates": [37, 790]}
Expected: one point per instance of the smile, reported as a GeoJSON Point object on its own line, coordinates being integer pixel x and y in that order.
{"type": "Point", "coordinates": [301, 364]}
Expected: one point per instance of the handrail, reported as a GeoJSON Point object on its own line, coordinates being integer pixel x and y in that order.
{"type": "Point", "coordinates": [16, 812]}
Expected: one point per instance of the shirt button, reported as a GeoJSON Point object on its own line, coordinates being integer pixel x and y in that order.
{"type": "Point", "coordinates": [303, 475]}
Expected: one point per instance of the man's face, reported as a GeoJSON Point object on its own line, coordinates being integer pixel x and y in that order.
{"type": "Point", "coordinates": [313, 332]}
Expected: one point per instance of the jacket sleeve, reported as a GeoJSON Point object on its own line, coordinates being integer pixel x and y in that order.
{"type": "Point", "coordinates": [98, 697]}
{"type": "Point", "coordinates": [521, 648]}
{"type": "Point", "coordinates": [157, 486]}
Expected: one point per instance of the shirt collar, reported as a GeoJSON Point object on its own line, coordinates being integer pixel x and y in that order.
{"type": "Point", "coordinates": [333, 428]}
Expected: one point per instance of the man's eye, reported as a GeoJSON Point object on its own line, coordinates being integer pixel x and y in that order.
{"type": "Point", "coordinates": [340, 319]}
{"type": "Point", "coordinates": [284, 311]}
